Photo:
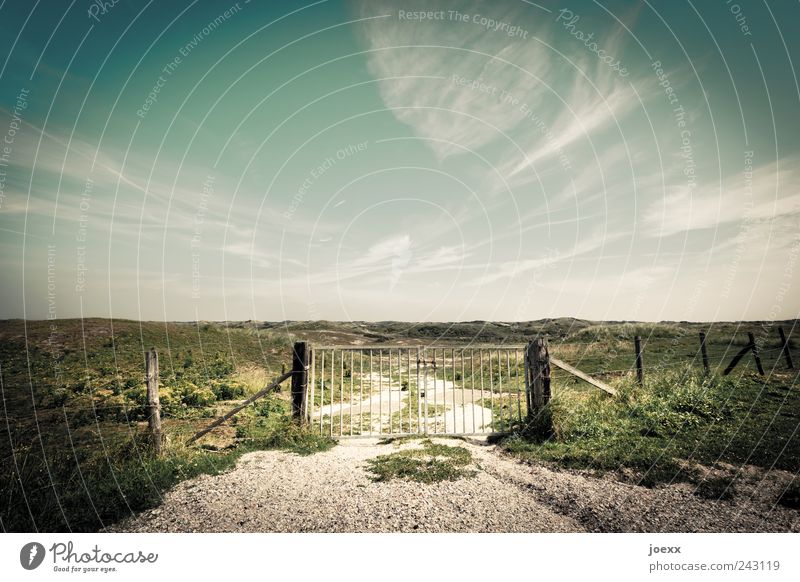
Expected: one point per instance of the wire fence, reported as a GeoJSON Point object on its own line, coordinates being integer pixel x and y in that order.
{"type": "Point", "coordinates": [397, 390]}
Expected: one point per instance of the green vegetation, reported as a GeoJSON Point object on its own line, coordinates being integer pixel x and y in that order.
{"type": "Point", "coordinates": [95, 479]}
{"type": "Point", "coordinates": [96, 365]}
{"type": "Point", "coordinates": [506, 410]}
{"type": "Point", "coordinates": [431, 463]}
{"type": "Point", "coordinates": [285, 435]}
{"type": "Point", "coordinates": [662, 431]}
{"type": "Point", "coordinates": [397, 441]}
{"type": "Point", "coordinates": [76, 456]}
{"type": "Point", "coordinates": [75, 450]}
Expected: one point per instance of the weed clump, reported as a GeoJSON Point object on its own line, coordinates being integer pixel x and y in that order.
{"type": "Point", "coordinates": [431, 463]}
{"type": "Point", "coordinates": [288, 436]}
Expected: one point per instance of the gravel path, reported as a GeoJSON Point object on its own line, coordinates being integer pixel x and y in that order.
{"type": "Point", "coordinates": [332, 492]}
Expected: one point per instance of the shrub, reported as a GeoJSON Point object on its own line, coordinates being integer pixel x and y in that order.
{"type": "Point", "coordinates": [136, 401]}
{"type": "Point", "coordinates": [220, 367]}
{"type": "Point", "coordinates": [191, 395]}
{"type": "Point", "coordinates": [170, 402]}
{"type": "Point", "coordinates": [83, 385]}
{"type": "Point", "coordinates": [676, 401]}
{"type": "Point", "coordinates": [174, 399]}
{"type": "Point", "coordinates": [56, 397]}
{"type": "Point", "coordinates": [227, 389]}
{"type": "Point", "coordinates": [270, 407]}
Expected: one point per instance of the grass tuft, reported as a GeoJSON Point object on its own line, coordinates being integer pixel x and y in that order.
{"type": "Point", "coordinates": [432, 463]}
{"type": "Point", "coordinates": [293, 438]}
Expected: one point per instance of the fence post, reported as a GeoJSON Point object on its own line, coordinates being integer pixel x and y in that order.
{"type": "Point", "coordinates": [703, 352]}
{"type": "Point", "coordinates": [538, 357]}
{"type": "Point", "coordinates": [153, 405]}
{"type": "Point", "coordinates": [754, 348]}
{"type": "Point", "coordinates": [637, 343]}
{"type": "Point", "coordinates": [300, 353]}
{"type": "Point", "coordinates": [528, 379]}
{"type": "Point", "coordinates": [785, 348]}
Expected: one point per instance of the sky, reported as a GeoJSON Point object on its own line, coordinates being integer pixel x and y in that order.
{"type": "Point", "coordinates": [415, 161]}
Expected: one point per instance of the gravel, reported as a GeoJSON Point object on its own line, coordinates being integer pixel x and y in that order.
{"type": "Point", "coordinates": [274, 491]}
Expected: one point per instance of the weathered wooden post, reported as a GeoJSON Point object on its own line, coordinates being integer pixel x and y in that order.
{"type": "Point", "coordinates": [153, 405]}
{"type": "Point", "coordinates": [739, 355]}
{"type": "Point", "coordinates": [528, 379]}
{"type": "Point", "coordinates": [754, 348]}
{"type": "Point", "coordinates": [704, 353]}
{"type": "Point", "coordinates": [785, 349]}
{"type": "Point", "coordinates": [300, 356]}
{"type": "Point", "coordinates": [637, 343]}
{"type": "Point", "coordinates": [538, 367]}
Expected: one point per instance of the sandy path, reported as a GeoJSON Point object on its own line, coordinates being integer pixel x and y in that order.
{"type": "Point", "coordinates": [463, 415]}
{"type": "Point", "coordinates": [332, 492]}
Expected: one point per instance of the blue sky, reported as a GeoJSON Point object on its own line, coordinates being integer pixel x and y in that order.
{"type": "Point", "coordinates": [399, 160]}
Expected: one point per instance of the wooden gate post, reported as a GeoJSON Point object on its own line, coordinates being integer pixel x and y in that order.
{"type": "Point", "coordinates": [153, 405]}
{"type": "Point", "coordinates": [785, 349]}
{"type": "Point", "coordinates": [528, 360]}
{"type": "Point", "coordinates": [538, 367]}
{"type": "Point", "coordinates": [637, 343]}
{"type": "Point", "coordinates": [300, 356]}
{"type": "Point", "coordinates": [754, 347]}
{"type": "Point", "coordinates": [703, 352]}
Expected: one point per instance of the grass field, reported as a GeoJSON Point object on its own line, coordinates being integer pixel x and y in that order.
{"type": "Point", "coordinates": [75, 451]}
{"type": "Point", "coordinates": [675, 427]}
{"type": "Point", "coordinates": [76, 457]}
{"type": "Point", "coordinates": [681, 425]}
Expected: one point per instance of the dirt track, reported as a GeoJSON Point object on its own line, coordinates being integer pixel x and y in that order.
{"type": "Point", "coordinates": [332, 492]}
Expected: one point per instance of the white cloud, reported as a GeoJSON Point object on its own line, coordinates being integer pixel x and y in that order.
{"type": "Point", "coordinates": [443, 108]}
{"type": "Point", "coordinates": [512, 269]}
{"type": "Point", "coordinates": [773, 192]}
{"type": "Point", "coordinates": [526, 89]}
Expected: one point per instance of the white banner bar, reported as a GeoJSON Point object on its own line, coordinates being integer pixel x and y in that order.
{"type": "Point", "coordinates": [377, 557]}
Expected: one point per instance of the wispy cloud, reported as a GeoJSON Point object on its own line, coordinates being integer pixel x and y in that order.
{"type": "Point", "coordinates": [524, 95]}
{"type": "Point", "coordinates": [549, 256]}
{"type": "Point", "coordinates": [770, 193]}
{"type": "Point", "coordinates": [459, 54]}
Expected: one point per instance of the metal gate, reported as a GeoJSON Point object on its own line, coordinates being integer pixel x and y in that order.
{"type": "Point", "coordinates": [401, 390]}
